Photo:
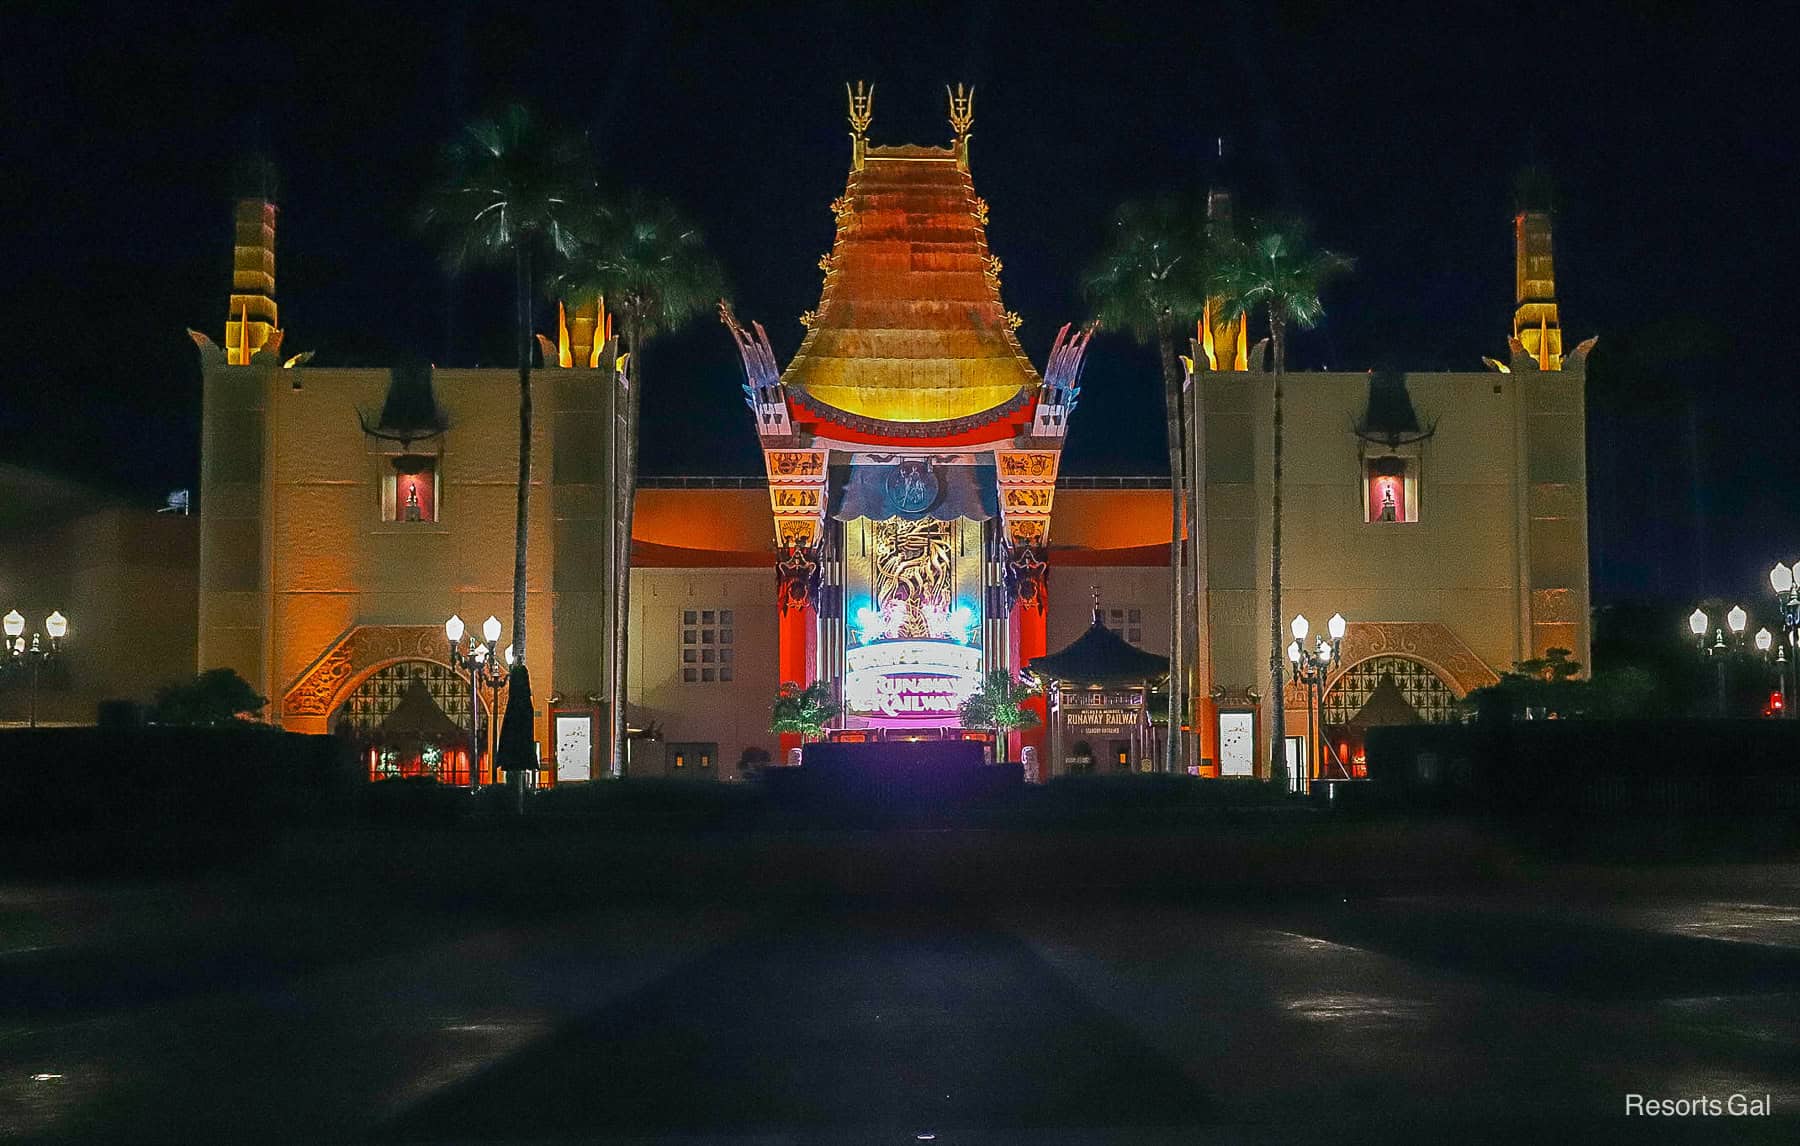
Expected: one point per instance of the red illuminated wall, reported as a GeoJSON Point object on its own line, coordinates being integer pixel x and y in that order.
{"type": "Point", "coordinates": [424, 487]}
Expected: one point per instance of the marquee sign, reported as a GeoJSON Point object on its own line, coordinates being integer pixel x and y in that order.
{"type": "Point", "coordinates": [917, 678]}
{"type": "Point", "coordinates": [1111, 712]}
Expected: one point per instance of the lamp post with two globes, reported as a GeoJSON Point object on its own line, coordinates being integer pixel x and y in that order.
{"type": "Point", "coordinates": [1311, 667]}
{"type": "Point", "coordinates": [29, 656]}
{"type": "Point", "coordinates": [477, 659]}
{"type": "Point", "coordinates": [1735, 620]}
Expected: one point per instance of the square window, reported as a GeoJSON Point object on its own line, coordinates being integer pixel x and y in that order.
{"type": "Point", "coordinates": [706, 637]}
{"type": "Point", "coordinates": [689, 617]}
{"type": "Point", "coordinates": [706, 675]}
{"type": "Point", "coordinates": [687, 656]}
{"type": "Point", "coordinates": [724, 636]}
{"type": "Point", "coordinates": [725, 673]}
{"type": "Point", "coordinates": [706, 655]}
{"type": "Point", "coordinates": [725, 654]}
{"type": "Point", "coordinates": [706, 617]}
{"type": "Point", "coordinates": [1135, 616]}
{"type": "Point", "coordinates": [725, 616]}
{"type": "Point", "coordinates": [688, 676]}
{"type": "Point", "coordinates": [690, 637]}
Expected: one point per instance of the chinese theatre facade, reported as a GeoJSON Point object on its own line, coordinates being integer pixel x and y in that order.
{"type": "Point", "coordinates": [911, 448]}
{"type": "Point", "coordinates": [914, 528]}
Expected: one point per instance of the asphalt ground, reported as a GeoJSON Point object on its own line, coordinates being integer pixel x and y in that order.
{"type": "Point", "coordinates": [320, 995]}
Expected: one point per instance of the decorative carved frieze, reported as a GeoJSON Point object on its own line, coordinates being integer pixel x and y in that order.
{"type": "Point", "coordinates": [1428, 642]}
{"type": "Point", "coordinates": [1026, 465]}
{"type": "Point", "coordinates": [1555, 607]}
{"type": "Point", "coordinates": [795, 463]}
{"type": "Point", "coordinates": [355, 655]}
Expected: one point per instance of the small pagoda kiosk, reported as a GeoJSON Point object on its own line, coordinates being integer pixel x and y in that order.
{"type": "Point", "coordinates": [1345, 758]}
{"type": "Point", "coordinates": [1099, 691]}
{"type": "Point", "coordinates": [419, 739]}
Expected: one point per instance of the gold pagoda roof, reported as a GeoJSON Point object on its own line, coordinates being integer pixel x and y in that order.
{"type": "Point", "coordinates": [910, 326]}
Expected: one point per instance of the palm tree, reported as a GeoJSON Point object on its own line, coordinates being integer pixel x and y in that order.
{"type": "Point", "coordinates": [652, 267]}
{"type": "Point", "coordinates": [999, 704]}
{"type": "Point", "coordinates": [1275, 270]}
{"type": "Point", "coordinates": [510, 194]}
{"type": "Point", "coordinates": [1150, 282]}
{"type": "Point", "coordinates": [803, 712]}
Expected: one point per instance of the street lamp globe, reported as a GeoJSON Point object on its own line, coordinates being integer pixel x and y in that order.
{"type": "Point", "coordinates": [1336, 626]}
{"type": "Point", "coordinates": [490, 629]}
{"type": "Point", "coordinates": [1781, 577]}
{"type": "Point", "coordinates": [1697, 623]}
{"type": "Point", "coordinates": [15, 624]}
{"type": "Point", "coordinates": [1764, 640]}
{"type": "Point", "coordinates": [1293, 651]}
{"type": "Point", "coordinates": [1737, 619]}
{"type": "Point", "coordinates": [508, 655]}
{"type": "Point", "coordinates": [1300, 626]}
{"type": "Point", "coordinates": [56, 625]}
{"type": "Point", "coordinates": [453, 628]}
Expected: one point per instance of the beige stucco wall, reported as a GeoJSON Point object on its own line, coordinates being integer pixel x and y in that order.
{"type": "Point", "coordinates": [125, 578]}
{"type": "Point", "coordinates": [735, 715]}
{"type": "Point", "coordinates": [1498, 554]}
{"type": "Point", "coordinates": [295, 554]}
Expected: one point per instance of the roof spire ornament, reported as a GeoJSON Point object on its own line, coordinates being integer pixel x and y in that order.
{"type": "Point", "coordinates": [962, 118]}
{"type": "Point", "coordinates": [862, 110]}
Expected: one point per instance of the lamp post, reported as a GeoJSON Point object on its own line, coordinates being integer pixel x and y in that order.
{"type": "Point", "coordinates": [1311, 667]}
{"type": "Point", "coordinates": [1787, 658]}
{"type": "Point", "coordinates": [483, 667]}
{"type": "Point", "coordinates": [1735, 620]}
{"type": "Point", "coordinates": [29, 656]}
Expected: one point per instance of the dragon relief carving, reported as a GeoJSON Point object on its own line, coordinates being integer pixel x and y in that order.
{"type": "Point", "coordinates": [798, 571]}
{"type": "Point", "coordinates": [914, 561]}
{"type": "Point", "coordinates": [1027, 576]}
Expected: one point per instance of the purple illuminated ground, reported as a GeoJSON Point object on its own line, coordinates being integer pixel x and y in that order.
{"type": "Point", "coordinates": [829, 988]}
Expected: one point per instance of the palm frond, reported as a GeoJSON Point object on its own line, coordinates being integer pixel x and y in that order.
{"type": "Point", "coordinates": [1153, 268]}
{"type": "Point", "coordinates": [648, 261]}
{"type": "Point", "coordinates": [507, 180]}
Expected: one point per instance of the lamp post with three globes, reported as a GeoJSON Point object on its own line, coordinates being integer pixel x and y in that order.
{"type": "Point", "coordinates": [477, 659]}
{"type": "Point", "coordinates": [1311, 667]}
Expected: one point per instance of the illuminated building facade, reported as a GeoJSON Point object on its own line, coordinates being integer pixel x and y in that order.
{"type": "Point", "coordinates": [900, 541]}
{"type": "Point", "coordinates": [911, 449]}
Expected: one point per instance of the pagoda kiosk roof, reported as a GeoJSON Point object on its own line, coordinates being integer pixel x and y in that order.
{"type": "Point", "coordinates": [418, 717]}
{"type": "Point", "coordinates": [1100, 656]}
{"type": "Point", "coordinates": [910, 329]}
{"type": "Point", "coordinates": [1386, 705]}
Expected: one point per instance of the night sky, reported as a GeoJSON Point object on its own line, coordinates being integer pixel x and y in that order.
{"type": "Point", "coordinates": [1398, 135]}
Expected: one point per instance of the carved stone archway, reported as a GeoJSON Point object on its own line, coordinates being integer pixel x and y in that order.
{"type": "Point", "coordinates": [1430, 643]}
{"type": "Point", "coordinates": [349, 660]}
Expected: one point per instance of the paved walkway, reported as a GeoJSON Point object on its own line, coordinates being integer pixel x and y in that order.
{"type": "Point", "coordinates": [202, 1013]}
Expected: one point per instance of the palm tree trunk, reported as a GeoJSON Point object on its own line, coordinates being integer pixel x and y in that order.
{"type": "Point", "coordinates": [1277, 674]}
{"type": "Point", "coordinates": [626, 483]}
{"type": "Point", "coordinates": [1172, 752]}
{"type": "Point", "coordinates": [1199, 676]}
{"type": "Point", "coordinates": [522, 518]}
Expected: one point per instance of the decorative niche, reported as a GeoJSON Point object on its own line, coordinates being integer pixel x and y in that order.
{"type": "Point", "coordinates": [1391, 439]}
{"type": "Point", "coordinates": [407, 435]}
